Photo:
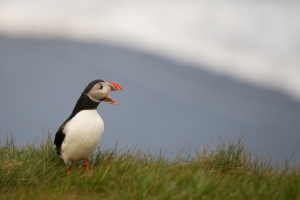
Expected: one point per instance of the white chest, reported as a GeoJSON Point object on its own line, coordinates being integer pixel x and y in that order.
{"type": "Point", "coordinates": [82, 135]}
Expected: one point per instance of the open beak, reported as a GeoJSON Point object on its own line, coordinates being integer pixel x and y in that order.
{"type": "Point", "coordinates": [113, 87]}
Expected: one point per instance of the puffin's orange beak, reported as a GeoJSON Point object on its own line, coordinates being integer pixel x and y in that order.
{"type": "Point", "coordinates": [113, 87]}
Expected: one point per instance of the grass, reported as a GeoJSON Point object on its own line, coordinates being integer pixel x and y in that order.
{"type": "Point", "coordinates": [226, 172]}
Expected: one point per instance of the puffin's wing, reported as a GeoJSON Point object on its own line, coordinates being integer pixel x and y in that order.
{"type": "Point", "coordinates": [59, 138]}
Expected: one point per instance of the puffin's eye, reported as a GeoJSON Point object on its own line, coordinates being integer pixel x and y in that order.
{"type": "Point", "coordinates": [101, 86]}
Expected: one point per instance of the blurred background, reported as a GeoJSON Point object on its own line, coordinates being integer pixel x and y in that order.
{"type": "Point", "coordinates": [192, 71]}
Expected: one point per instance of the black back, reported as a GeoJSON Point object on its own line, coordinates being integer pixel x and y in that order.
{"type": "Point", "coordinates": [83, 103]}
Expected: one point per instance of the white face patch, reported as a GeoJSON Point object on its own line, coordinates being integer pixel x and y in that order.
{"type": "Point", "coordinates": [98, 92]}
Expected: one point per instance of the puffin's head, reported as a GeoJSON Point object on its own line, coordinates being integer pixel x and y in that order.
{"type": "Point", "coordinates": [98, 90]}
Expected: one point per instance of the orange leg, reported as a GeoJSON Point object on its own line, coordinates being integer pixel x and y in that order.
{"type": "Point", "coordinates": [68, 170]}
{"type": "Point", "coordinates": [87, 165]}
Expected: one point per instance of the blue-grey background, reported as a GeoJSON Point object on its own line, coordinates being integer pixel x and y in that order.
{"type": "Point", "coordinates": [165, 104]}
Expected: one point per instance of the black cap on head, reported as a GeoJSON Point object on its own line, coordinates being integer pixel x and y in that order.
{"type": "Point", "coordinates": [91, 85]}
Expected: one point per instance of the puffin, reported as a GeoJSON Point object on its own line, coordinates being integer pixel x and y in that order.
{"type": "Point", "coordinates": [78, 137]}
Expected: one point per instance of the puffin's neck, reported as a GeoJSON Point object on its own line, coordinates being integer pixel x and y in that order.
{"type": "Point", "coordinates": [84, 103]}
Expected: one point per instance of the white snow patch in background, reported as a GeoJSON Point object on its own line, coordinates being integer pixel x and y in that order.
{"type": "Point", "coordinates": [254, 41]}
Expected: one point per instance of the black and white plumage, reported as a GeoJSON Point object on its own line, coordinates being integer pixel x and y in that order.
{"type": "Point", "coordinates": [78, 137]}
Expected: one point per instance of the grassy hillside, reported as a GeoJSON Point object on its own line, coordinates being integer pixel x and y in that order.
{"type": "Point", "coordinates": [227, 172]}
